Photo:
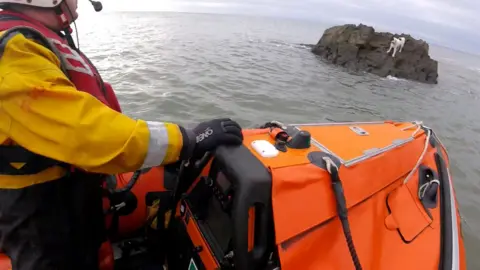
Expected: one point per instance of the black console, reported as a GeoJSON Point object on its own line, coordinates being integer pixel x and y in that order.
{"type": "Point", "coordinates": [232, 209]}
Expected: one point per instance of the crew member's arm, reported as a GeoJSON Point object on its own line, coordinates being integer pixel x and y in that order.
{"type": "Point", "coordinates": [41, 110]}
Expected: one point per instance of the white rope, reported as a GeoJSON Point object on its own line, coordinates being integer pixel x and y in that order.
{"type": "Point", "coordinates": [423, 188]}
{"type": "Point", "coordinates": [417, 124]}
{"type": "Point", "coordinates": [416, 131]}
{"type": "Point", "coordinates": [420, 159]}
{"type": "Point", "coordinates": [329, 162]}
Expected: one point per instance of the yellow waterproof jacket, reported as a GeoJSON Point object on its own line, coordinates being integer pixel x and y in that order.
{"type": "Point", "coordinates": [68, 125]}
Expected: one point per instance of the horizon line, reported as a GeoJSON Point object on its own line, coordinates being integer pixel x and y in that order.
{"type": "Point", "coordinates": [311, 20]}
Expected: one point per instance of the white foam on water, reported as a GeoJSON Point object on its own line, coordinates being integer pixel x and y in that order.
{"type": "Point", "coordinates": [393, 78]}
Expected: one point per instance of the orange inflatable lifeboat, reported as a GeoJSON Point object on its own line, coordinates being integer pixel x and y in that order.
{"type": "Point", "coordinates": [144, 193]}
{"type": "Point", "coordinates": [370, 195]}
{"type": "Point", "coordinates": [374, 195]}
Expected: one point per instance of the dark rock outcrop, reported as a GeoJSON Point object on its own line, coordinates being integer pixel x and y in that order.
{"type": "Point", "coordinates": [360, 48]}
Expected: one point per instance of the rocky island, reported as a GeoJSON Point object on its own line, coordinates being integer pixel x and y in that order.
{"type": "Point", "coordinates": [360, 48]}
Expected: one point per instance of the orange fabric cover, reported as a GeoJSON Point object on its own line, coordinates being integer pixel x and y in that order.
{"type": "Point", "coordinates": [308, 232]}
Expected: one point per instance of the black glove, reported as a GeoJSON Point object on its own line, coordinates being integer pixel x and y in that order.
{"type": "Point", "coordinates": [207, 135]}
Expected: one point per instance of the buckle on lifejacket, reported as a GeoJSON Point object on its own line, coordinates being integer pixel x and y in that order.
{"type": "Point", "coordinates": [33, 163]}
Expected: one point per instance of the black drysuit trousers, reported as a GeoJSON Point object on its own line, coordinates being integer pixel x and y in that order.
{"type": "Point", "coordinates": [56, 225]}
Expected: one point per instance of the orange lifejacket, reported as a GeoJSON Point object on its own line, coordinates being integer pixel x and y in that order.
{"type": "Point", "coordinates": [78, 67]}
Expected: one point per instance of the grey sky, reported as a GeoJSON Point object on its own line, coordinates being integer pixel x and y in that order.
{"type": "Point", "coordinates": [447, 22]}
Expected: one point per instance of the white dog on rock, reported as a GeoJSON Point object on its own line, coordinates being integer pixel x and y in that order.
{"type": "Point", "coordinates": [397, 45]}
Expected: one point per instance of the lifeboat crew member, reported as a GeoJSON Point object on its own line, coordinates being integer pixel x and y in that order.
{"type": "Point", "coordinates": [61, 132]}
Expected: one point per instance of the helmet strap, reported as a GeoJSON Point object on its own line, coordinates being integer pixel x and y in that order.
{"type": "Point", "coordinates": [65, 24]}
{"type": "Point", "coordinates": [62, 17]}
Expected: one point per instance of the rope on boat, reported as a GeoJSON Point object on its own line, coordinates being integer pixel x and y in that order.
{"type": "Point", "coordinates": [422, 155]}
{"type": "Point", "coordinates": [342, 209]}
